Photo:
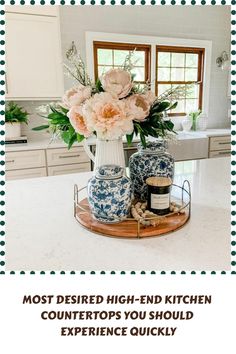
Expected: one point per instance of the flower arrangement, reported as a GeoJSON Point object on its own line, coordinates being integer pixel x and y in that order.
{"type": "Point", "coordinates": [111, 107]}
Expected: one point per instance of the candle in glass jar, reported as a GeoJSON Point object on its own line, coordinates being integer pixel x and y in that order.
{"type": "Point", "coordinates": [159, 194]}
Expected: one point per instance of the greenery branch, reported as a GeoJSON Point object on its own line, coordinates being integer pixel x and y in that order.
{"type": "Point", "coordinates": [78, 68]}
{"type": "Point", "coordinates": [59, 124]}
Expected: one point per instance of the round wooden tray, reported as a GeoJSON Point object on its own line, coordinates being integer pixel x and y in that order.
{"type": "Point", "coordinates": [128, 228]}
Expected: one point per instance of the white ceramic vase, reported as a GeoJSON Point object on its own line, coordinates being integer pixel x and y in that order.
{"type": "Point", "coordinates": [107, 152]}
{"type": "Point", "coordinates": [186, 124]}
{"type": "Point", "coordinates": [12, 130]}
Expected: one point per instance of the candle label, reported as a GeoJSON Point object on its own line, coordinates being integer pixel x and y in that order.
{"type": "Point", "coordinates": [160, 201]}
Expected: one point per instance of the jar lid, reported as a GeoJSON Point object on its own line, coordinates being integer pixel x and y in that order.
{"type": "Point", "coordinates": [159, 181]}
{"type": "Point", "coordinates": [109, 172]}
{"type": "Point", "coordinates": [154, 145]}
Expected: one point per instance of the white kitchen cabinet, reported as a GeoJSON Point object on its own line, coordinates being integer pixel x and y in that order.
{"type": "Point", "coordinates": [46, 162]}
{"type": "Point", "coordinates": [63, 156]}
{"type": "Point", "coordinates": [33, 57]}
{"type": "Point", "coordinates": [33, 10]}
{"type": "Point", "coordinates": [63, 161]}
{"type": "Point", "coordinates": [67, 169]}
{"type": "Point", "coordinates": [220, 143]}
{"type": "Point", "coordinates": [25, 159]}
{"type": "Point", "coordinates": [222, 153]}
{"type": "Point", "coordinates": [219, 146]}
{"type": "Point", "coordinates": [26, 173]}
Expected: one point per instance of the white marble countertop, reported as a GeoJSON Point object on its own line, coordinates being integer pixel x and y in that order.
{"type": "Point", "coordinates": [43, 141]}
{"type": "Point", "coordinates": [42, 233]}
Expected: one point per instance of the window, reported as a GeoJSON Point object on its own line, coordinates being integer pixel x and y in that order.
{"type": "Point", "coordinates": [112, 55]}
{"type": "Point", "coordinates": [197, 56]}
{"type": "Point", "coordinates": [180, 66]}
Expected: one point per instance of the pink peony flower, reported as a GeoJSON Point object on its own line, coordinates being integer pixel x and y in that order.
{"type": "Point", "coordinates": [77, 121]}
{"type": "Point", "coordinates": [76, 96]}
{"type": "Point", "coordinates": [150, 97]}
{"type": "Point", "coordinates": [137, 107]}
{"type": "Point", "coordinates": [107, 116]}
{"type": "Point", "coordinates": [117, 82]}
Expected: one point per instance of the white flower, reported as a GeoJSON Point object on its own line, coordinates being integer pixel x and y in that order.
{"type": "Point", "coordinates": [76, 96]}
{"type": "Point", "coordinates": [137, 107]}
{"type": "Point", "coordinates": [117, 82]}
{"type": "Point", "coordinates": [43, 110]}
{"type": "Point", "coordinates": [77, 121]}
{"type": "Point", "coordinates": [107, 116]}
{"type": "Point", "coordinates": [150, 97]}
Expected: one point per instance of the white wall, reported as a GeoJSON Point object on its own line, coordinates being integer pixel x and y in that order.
{"type": "Point", "coordinates": [194, 22]}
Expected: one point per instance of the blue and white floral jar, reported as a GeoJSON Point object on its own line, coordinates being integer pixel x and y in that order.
{"type": "Point", "coordinates": [148, 162]}
{"type": "Point", "coordinates": [109, 194]}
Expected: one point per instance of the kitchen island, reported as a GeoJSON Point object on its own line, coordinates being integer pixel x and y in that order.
{"type": "Point", "coordinates": [42, 234]}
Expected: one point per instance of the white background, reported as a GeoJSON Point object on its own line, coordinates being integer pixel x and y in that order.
{"type": "Point", "coordinates": [212, 329]}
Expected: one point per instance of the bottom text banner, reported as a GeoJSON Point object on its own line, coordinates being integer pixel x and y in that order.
{"type": "Point", "coordinates": [117, 313]}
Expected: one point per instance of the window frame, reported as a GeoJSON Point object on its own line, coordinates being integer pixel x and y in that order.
{"type": "Point", "coordinates": [124, 46]}
{"type": "Point", "coordinates": [91, 36]}
{"type": "Point", "coordinates": [200, 74]}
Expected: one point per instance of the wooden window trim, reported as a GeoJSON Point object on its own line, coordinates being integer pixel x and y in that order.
{"type": "Point", "coordinates": [124, 46]}
{"type": "Point", "coordinates": [201, 54]}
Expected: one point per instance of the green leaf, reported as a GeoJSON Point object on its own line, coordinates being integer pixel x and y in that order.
{"type": "Point", "coordinates": [72, 140]}
{"type": "Point", "coordinates": [169, 125]}
{"type": "Point", "coordinates": [135, 129]}
{"type": "Point", "coordinates": [153, 132]}
{"type": "Point", "coordinates": [71, 130]}
{"type": "Point", "coordinates": [129, 138]}
{"type": "Point", "coordinates": [59, 121]}
{"type": "Point", "coordinates": [155, 120]}
{"type": "Point", "coordinates": [137, 126]}
{"type": "Point", "coordinates": [64, 110]}
{"type": "Point", "coordinates": [173, 106]}
{"type": "Point", "coordinates": [57, 118]}
{"type": "Point", "coordinates": [66, 136]}
{"type": "Point", "coordinates": [143, 140]}
{"type": "Point", "coordinates": [53, 109]}
{"type": "Point", "coordinates": [52, 115]}
{"type": "Point", "coordinates": [80, 137]}
{"type": "Point", "coordinates": [160, 107]}
{"type": "Point", "coordinates": [41, 127]}
{"type": "Point", "coordinates": [98, 85]}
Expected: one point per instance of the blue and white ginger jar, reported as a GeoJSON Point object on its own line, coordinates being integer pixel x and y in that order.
{"type": "Point", "coordinates": [109, 194]}
{"type": "Point", "coordinates": [147, 162]}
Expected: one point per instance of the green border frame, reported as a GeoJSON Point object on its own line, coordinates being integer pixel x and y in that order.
{"type": "Point", "coordinates": [2, 122]}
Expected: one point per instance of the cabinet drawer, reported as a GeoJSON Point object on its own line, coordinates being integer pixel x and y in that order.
{"type": "Point", "coordinates": [220, 143]}
{"type": "Point", "coordinates": [67, 169]}
{"type": "Point", "coordinates": [64, 156]}
{"type": "Point", "coordinates": [222, 153]}
{"type": "Point", "coordinates": [25, 159]}
{"type": "Point", "coordinates": [27, 173]}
